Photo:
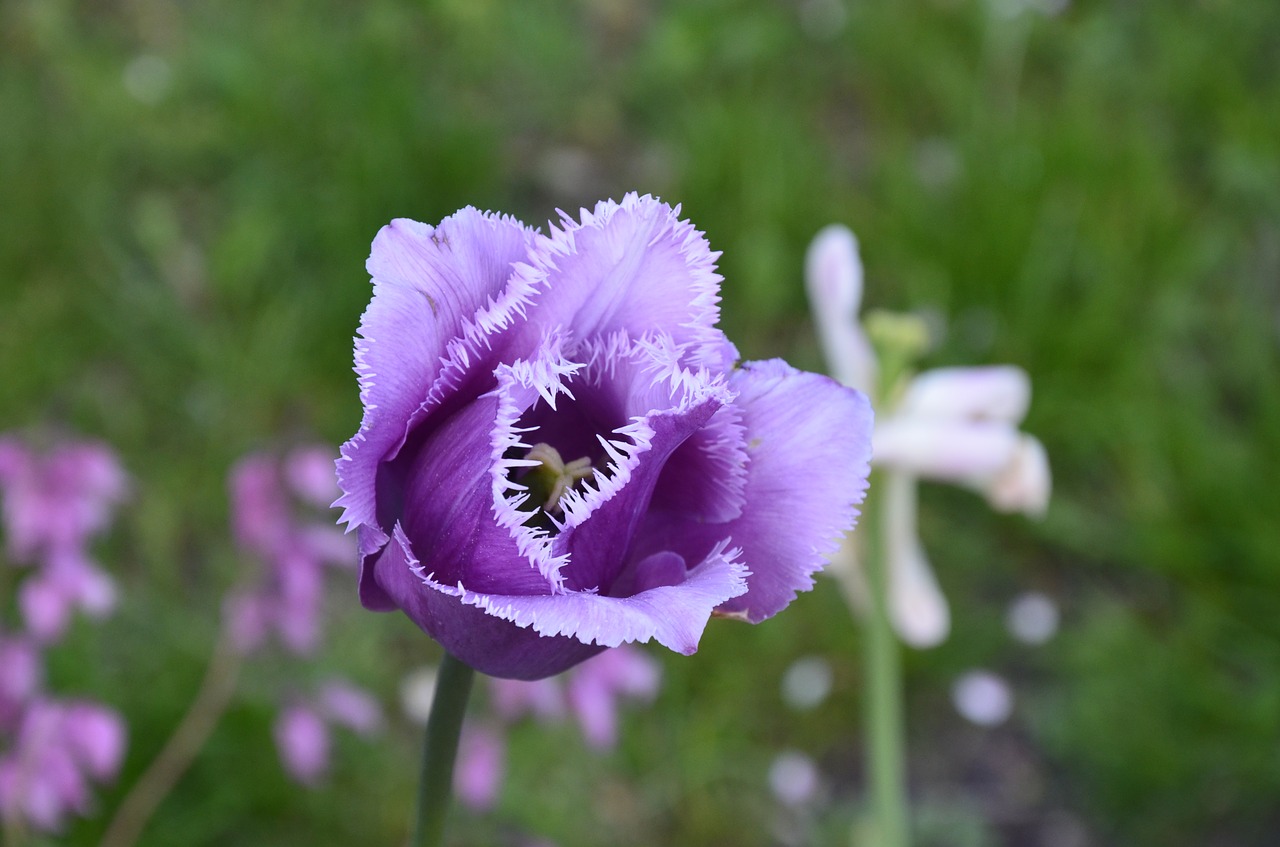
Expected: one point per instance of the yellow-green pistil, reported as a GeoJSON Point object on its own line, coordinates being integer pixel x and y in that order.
{"type": "Point", "coordinates": [552, 477]}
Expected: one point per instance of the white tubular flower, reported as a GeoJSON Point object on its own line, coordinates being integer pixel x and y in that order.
{"type": "Point", "coordinates": [956, 425]}
{"type": "Point", "coordinates": [833, 277]}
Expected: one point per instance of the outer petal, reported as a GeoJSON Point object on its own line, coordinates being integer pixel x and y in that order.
{"type": "Point", "coordinates": [809, 444]}
{"type": "Point", "coordinates": [534, 636]}
{"type": "Point", "coordinates": [997, 392]}
{"type": "Point", "coordinates": [432, 287]}
{"type": "Point", "coordinates": [449, 512]}
{"type": "Point", "coordinates": [632, 266]}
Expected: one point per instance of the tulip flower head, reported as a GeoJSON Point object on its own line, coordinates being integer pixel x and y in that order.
{"type": "Point", "coordinates": [956, 425]}
{"type": "Point", "coordinates": [559, 452]}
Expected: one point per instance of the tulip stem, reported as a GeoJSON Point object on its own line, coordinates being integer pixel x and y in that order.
{"type": "Point", "coordinates": [440, 749]}
{"type": "Point", "coordinates": [884, 721]}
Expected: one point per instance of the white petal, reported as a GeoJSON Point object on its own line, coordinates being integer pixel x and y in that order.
{"type": "Point", "coordinates": [971, 452]}
{"type": "Point", "coordinates": [833, 277]}
{"type": "Point", "coordinates": [1023, 485]}
{"type": "Point", "coordinates": [997, 393]}
{"type": "Point", "coordinates": [917, 608]}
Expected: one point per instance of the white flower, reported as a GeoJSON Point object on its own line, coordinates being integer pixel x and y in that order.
{"type": "Point", "coordinates": [957, 425]}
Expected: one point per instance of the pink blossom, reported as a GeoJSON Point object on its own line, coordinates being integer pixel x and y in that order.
{"type": "Point", "coordinates": [481, 764]}
{"type": "Point", "coordinates": [58, 747]}
{"type": "Point", "coordinates": [54, 503]}
{"type": "Point", "coordinates": [302, 740]}
{"type": "Point", "coordinates": [597, 685]}
{"type": "Point", "coordinates": [351, 707]}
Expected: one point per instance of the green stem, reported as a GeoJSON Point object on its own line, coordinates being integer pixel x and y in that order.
{"type": "Point", "coordinates": [444, 725]}
{"type": "Point", "coordinates": [884, 726]}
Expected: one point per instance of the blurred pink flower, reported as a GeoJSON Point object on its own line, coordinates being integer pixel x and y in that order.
{"type": "Point", "coordinates": [481, 764]}
{"type": "Point", "coordinates": [302, 740]}
{"type": "Point", "coordinates": [597, 685]}
{"type": "Point", "coordinates": [20, 677]}
{"type": "Point", "coordinates": [957, 425]}
{"type": "Point", "coordinates": [513, 699]}
{"type": "Point", "coordinates": [302, 728]}
{"type": "Point", "coordinates": [53, 504]}
{"type": "Point", "coordinates": [354, 708]}
{"type": "Point", "coordinates": [266, 523]}
{"type": "Point", "coordinates": [43, 776]}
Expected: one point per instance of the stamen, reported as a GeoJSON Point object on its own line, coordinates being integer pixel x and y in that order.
{"type": "Point", "coordinates": [552, 476]}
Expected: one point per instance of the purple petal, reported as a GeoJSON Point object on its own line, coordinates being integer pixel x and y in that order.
{"type": "Point", "coordinates": [533, 636]}
{"type": "Point", "coordinates": [434, 289]}
{"type": "Point", "coordinates": [632, 266]}
{"type": "Point", "coordinates": [489, 644]}
{"type": "Point", "coordinates": [667, 405]}
{"type": "Point", "coordinates": [808, 439]}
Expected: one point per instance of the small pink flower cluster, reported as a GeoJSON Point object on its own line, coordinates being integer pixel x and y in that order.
{"type": "Point", "coordinates": [53, 505]}
{"type": "Point", "coordinates": [592, 692]}
{"type": "Point", "coordinates": [51, 749]}
{"type": "Point", "coordinates": [276, 518]}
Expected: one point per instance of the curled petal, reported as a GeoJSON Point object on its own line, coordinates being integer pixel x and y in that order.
{"type": "Point", "coordinates": [995, 393]}
{"type": "Point", "coordinates": [630, 267]}
{"type": "Point", "coordinates": [808, 446]}
{"type": "Point", "coordinates": [532, 636]}
{"type": "Point", "coordinates": [435, 288]}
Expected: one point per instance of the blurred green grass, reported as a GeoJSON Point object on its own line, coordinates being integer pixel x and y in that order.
{"type": "Point", "coordinates": [1094, 196]}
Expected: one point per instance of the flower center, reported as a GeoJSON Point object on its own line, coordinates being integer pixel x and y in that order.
{"type": "Point", "coordinates": [552, 477]}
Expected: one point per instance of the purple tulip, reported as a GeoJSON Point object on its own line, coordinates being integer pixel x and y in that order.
{"type": "Point", "coordinates": [558, 453]}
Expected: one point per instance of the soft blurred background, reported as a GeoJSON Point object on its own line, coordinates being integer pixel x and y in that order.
{"type": "Point", "coordinates": [1088, 189]}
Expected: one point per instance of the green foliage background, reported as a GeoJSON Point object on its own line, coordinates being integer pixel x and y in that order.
{"type": "Point", "coordinates": [1092, 195]}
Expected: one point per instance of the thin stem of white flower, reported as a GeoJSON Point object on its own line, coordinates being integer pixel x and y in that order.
{"type": "Point", "coordinates": [180, 750]}
{"type": "Point", "coordinates": [886, 748]}
{"type": "Point", "coordinates": [440, 750]}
